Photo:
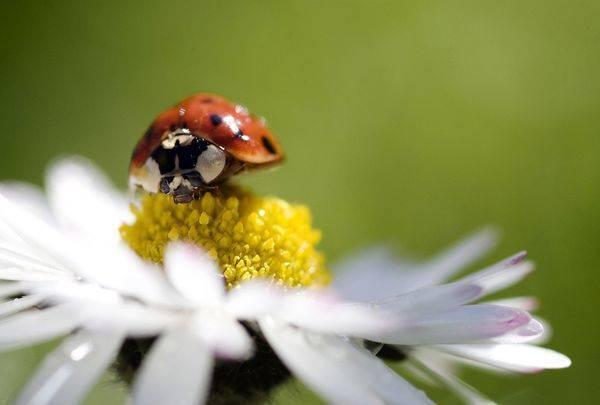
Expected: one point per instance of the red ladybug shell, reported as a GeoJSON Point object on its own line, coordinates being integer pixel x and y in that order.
{"type": "Point", "coordinates": [229, 126]}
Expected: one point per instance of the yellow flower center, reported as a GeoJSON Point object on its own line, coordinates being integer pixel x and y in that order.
{"type": "Point", "coordinates": [249, 236]}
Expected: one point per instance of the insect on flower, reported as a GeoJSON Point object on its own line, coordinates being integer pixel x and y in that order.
{"type": "Point", "coordinates": [197, 145]}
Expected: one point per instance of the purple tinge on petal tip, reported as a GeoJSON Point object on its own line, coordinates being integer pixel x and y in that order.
{"type": "Point", "coordinates": [519, 318]}
{"type": "Point", "coordinates": [519, 257]}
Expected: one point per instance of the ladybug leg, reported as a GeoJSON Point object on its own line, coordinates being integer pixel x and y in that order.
{"type": "Point", "coordinates": [217, 191]}
{"type": "Point", "coordinates": [177, 186]}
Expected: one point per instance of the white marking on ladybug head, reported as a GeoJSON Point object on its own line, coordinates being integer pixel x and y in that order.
{"type": "Point", "coordinates": [148, 177]}
{"type": "Point", "coordinates": [181, 137]}
{"type": "Point", "coordinates": [211, 163]}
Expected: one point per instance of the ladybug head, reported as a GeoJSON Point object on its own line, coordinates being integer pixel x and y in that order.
{"type": "Point", "coordinates": [184, 165]}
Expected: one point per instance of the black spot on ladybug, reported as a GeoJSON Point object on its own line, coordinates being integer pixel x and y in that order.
{"type": "Point", "coordinates": [184, 125]}
{"type": "Point", "coordinates": [268, 145]}
{"type": "Point", "coordinates": [215, 119]}
{"type": "Point", "coordinates": [207, 100]}
{"type": "Point", "coordinates": [173, 128]}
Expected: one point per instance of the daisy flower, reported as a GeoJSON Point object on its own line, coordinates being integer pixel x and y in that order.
{"type": "Point", "coordinates": [220, 299]}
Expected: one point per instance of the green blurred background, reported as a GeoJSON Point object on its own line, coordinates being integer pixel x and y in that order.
{"type": "Point", "coordinates": [410, 122]}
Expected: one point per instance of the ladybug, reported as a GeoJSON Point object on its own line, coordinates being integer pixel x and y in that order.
{"type": "Point", "coordinates": [197, 145]}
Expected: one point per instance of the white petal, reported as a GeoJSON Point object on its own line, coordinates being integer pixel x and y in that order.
{"type": "Point", "coordinates": [466, 290]}
{"type": "Point", "coordinates": [13, 256]}
{"type": "Point", "coordinates": [528, 304]}
{"type": "Point", "coordinates": [69, 372]}
{"type": "Point", "coordinates": [377, 268]}
{"type": "Point", "coordinates": [7, 234]}
{"type": "Point", "coordinates": [28, 196]}
{"type": "Point", "coordinates": [416, 373]}
{"type": "Point", "coordinates": [467, 393]}
{"type": "Point", "coordinates": [120, 269]}
{"type": "Point", "coordinates": [15, 251]}
{"type": "Point", "coordinates": [83, 199]}
{"type": "Point", "coordinates": [453, 364]}
{"type": "Point", "coordinates": [320, 311]}
{"type": "Point", "coordinates": [19, 274]}
{"type": "Point", "coordinates": [11, 289]}
{"type": "Point", "coordinates": [19, 304]}
{"type": "Point", "coordinates": [501, 275]}
{"type": "Point", "coordinates": [75, 292]}
{"type": "Point", "coordinates": [459, 256]}
{"type": "Point", "coordinates": [528, 333]}
{"type": "Point", "coordinates": [376, 274]}
{"type": "Point", "coordinates": [106, 309]}
{"type": "Point", "coordinates": [224, 335]}
{"type": "Point", "coordinates": [39, 236]}
{"type": "Point", "coordinates": [340, 372]}
{"type": "Point", "coordinates": [513, 357]}
{"type": "Point", "coordinates": [254, 299]}
{"type": "Point", "coordinates": [194, 274]}
{"type": "Point", "coordinates": [176, 371]}
{"type": "Point", "coordinates": [545, 336]}
{"type": "Point", "coordinates": [138, 320]}
{"type": "Point", "coordinates": [462, 324]}
{"type": "Point", "coordinates": [433, 298]}
{"type": "Point", "coordinates": [34, 326]}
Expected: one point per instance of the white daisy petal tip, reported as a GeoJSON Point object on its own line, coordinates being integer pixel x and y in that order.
{"type": "Point", "coordinates": [98, 209]}
{"type": "Point", "coordinates": [528, 333]}
{"type": "Point", "coordinates": [242, 352]}
{"type": "Point", "coordinates": [529, 304]}
{"type": "Point", "coordinates": [530, 330]}
{"type": "Point", "coordinates": [543, 358]}
{"type": "Point", "coordinates": [514, 318]}
{"type": "Point", "coordinates": [560, 361]}
{"type": "Point", "coordinates": [469, 323]}
{"type": "Point", "coordinates": [77, 170]}
{"type": "Point", "coordinates": [194, 273]}
{"type": "Point", "coordinates": [520, 358]}
{"type": "Point", "coordinates": [27, 195]}
{"type": "Point", "coordinates": [223, 334]}
{"type": "Point", "coordinates": [501, 275]}
{"type": "Point", "coordinates": [478, 242]}
{"type": "Point", "coordinates": [517, 258]}
{"type": "Point", "coordinates": [487, 236]}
